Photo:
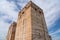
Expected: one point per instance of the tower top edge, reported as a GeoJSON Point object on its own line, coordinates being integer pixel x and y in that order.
{"type": "Point", "coordinates": [30, 4]}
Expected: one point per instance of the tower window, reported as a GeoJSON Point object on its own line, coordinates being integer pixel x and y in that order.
{"type": "Point", "coordinates": [39, 11]}
{"type": "Point", "coordinates": [23, 13]}
{"type": "Point", "coordinates": [35, 9]}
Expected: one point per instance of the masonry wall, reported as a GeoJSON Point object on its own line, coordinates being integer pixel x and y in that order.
{"type": "Point", "coordinates": [11, 32]}
{"type": "Point", "coordinates": [23, 30]}
{"type": "Point", "coordinates": [31, 24]}
{"type": "Point", "coordinates": [39, 28]}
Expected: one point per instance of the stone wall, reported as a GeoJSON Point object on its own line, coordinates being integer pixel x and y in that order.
{"type": "Point", "coordinates": [11, 32]}
{"type": "Point", "coordinates": [23, 30]}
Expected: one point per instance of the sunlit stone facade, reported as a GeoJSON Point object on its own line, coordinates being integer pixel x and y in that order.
{"type": "Point", "coordinates": [11, 32]}
{"type": "Point", "coordinates": [31, 24]}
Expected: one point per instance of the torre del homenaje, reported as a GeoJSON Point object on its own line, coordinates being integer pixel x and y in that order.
{"type": "Point", "coordinates": [30, 25]}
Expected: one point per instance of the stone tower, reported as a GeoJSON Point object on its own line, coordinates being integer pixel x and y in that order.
{"type": "Point", "coordinates": [31, 24]}
{"type": "Point", "coordinates": [11, 32]}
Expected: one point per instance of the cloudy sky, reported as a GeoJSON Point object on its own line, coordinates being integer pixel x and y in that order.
{"type": "Point", "coordinates": [9, 10]}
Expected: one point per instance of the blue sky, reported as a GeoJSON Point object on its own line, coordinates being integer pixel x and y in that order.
{"type": "Point", "coordinates": [9, 10]}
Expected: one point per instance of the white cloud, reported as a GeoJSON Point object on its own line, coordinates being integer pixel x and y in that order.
{"type": "Point", "coordinates": [22, 3]}
{"type": "Point", "coordinates": [56, 38]}
{"type": "Point", "coordinates": [3, 29]}
{"type": "Point", "coordinates": [57, 31]}
{"type": "Point", "coordinates": [8, 9]}
{"type": "Point", "coordinates": [55, 35]}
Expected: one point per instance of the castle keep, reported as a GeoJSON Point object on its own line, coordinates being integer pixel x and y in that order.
{"type": "Point", "coordinates": [30, 25]}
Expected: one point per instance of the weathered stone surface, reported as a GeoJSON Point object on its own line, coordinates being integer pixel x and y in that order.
{"type": "Point", "coordinates": [11, 32]}
{"type": "Point", "coordinates": [31, 24]}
